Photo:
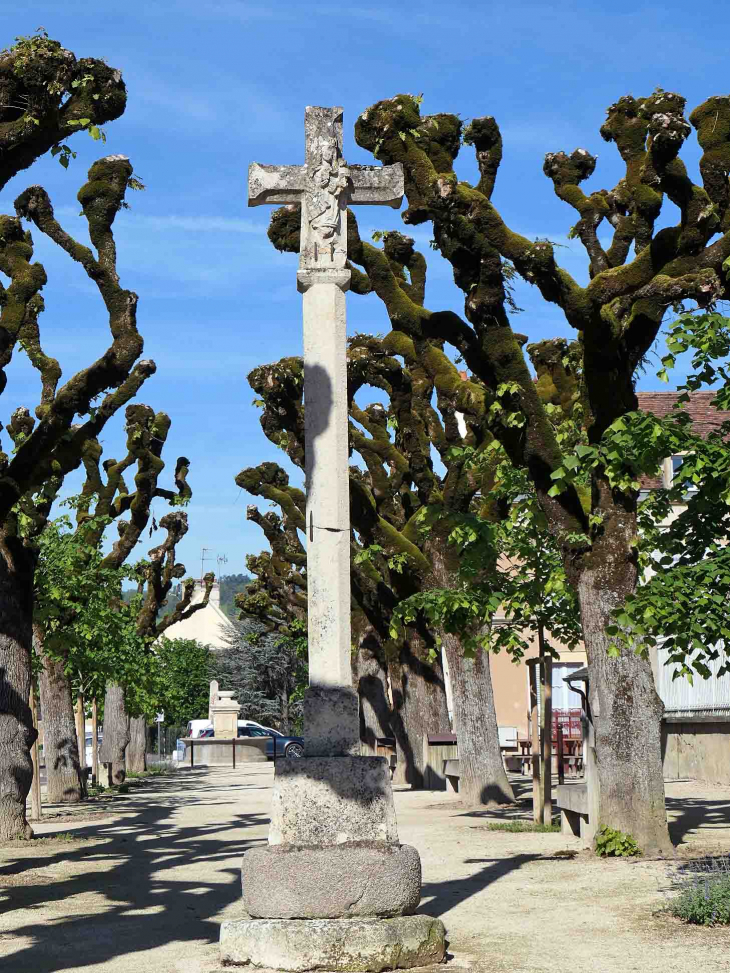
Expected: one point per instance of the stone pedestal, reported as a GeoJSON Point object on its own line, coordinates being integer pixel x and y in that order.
{"type": "Point", "coordinates": [334, 890]}
{"type": "Point", "coordinates": [225, 716]}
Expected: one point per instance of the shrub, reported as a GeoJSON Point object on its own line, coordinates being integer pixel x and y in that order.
{"type": "Point", "coordinates": [612, 843]}
{"type": "Point", "coordinates": [703, 888]}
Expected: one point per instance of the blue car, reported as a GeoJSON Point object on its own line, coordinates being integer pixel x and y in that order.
{"type": "Point", "coordinates": [276, 743]}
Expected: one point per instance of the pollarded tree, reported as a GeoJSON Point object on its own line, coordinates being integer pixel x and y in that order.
{"type": "Point", "coordinates": [50, 445]}
{"type": "Point", "coordinates": [46, 95]}
{"type": "Point", "coordinates": [618, 315]}
{"type": "Point", "coordinates": [392, 558]}
{"type": "Point", "coordinates": [83, 631]}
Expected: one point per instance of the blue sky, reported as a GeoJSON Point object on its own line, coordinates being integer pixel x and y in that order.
{"type": "Point", "coordinates": [215, 85]}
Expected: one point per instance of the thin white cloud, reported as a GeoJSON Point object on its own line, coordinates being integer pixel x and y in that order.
{"type": "Point", "coordinates": [129, 220]}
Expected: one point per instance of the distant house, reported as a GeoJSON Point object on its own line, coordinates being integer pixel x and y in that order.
{"type": "Point", "coordinates": [210, 626]}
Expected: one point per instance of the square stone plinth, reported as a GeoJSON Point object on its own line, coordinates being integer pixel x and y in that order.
{"type": "Point", "coordinates": [355, 945]}
{"type": "Point", "coordinates": [331, 800]}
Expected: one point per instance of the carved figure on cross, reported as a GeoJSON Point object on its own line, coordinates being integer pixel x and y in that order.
{"type": "Point", "coordinates": [324, 186]}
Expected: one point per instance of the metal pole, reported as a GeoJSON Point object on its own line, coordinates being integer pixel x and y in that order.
{"type": "Point", "coordinates": [546, 671]}
{"type": "Point", "coordinates": [561, 766]}
{"type": "Point", "coordinates": [94, 741]}
{"type": "Point", "coordinates": [535, 733]}
{"type": "Point", "coordinates": [159, 741]}
{"type": "Point", "coordinates": [36, 786]}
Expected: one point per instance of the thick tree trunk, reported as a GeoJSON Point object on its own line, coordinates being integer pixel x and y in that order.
{"type": "Point", "coordinates": [482, 777]}
{"type": "Point", "coordinates": [116, 733]}
{"type": "Point", "coordinates": [136, 754]}
{"type": "Point", "coordinates": [17, 733]}
{"type": "Point", "coordinates": [370, 678]}
{"type": "Point", "coordinates": [419, 707]}
{"type": "Point", "coordinates": [66, 785]}
{"type": "Point", "coordinates": [625, 705]}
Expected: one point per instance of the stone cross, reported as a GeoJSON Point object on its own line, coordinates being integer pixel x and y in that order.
{"type": "Point", "coordinates": [325, 186]}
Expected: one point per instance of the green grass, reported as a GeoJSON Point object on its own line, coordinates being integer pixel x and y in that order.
{"type": "Point", "coordinates": [519, 827]}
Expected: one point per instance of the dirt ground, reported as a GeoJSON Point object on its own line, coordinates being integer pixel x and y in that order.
{"type": "Point", "coordinates": [142, 884]}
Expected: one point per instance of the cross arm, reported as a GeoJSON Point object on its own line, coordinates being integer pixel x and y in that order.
{"type": "Point", "coordinates": [377, 185]}
{"type": "Point", "coordinates": [275, 184]}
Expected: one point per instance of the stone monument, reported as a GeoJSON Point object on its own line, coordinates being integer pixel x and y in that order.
{"type": "Point", "coordinates": [225, 712]}
{"type": "Point", "coordinates": [334, 889]}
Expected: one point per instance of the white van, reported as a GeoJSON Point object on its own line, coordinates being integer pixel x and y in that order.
{"type": "Point", "coordinates": [195, 726]}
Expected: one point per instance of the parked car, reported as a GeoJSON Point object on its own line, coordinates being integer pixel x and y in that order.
{"type": "Point", "coordinates": [196, 728]}
{"type": "Point", "coordinates": [276, 743]}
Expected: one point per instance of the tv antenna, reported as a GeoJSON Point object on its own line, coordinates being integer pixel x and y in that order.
{"type": "Point", "coordinates": [221, 560]}
{"type": "Point", "coordinates": [205, 551]}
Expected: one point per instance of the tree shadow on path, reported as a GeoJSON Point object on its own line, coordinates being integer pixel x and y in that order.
{"type": "Point", "coordinates": [143, 852]}
{"type": "Point", "coordinates": [439, 897]}
{"type": "Point", "coordinates": [688, 814]}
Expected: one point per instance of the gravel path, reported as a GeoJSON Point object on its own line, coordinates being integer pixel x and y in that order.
{"type": "Point", "coordinates": [145, 880]}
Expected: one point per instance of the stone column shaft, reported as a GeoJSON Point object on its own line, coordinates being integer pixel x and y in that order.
{"type": "Point", "coordinates": [327, 473]}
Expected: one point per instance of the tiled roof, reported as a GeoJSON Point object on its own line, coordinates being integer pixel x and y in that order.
{"type": "Point", "coordinates": [704, 417]}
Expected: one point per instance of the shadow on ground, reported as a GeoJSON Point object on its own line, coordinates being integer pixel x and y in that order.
{"type": "Point", "coordinates": [143, 849]}
{"type": "Point", "coordinates": [687, 814]}
{"type": "Point", "coordinates": [438, 897]}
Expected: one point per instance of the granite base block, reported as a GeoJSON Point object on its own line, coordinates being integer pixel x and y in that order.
{"type": "Point", "coordinates": [334, 945]}
{"type": "Point", "coordinates": [372, 879]}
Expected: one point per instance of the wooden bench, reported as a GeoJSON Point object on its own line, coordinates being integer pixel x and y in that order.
{"type": "Point", "coordinates": [572, 800]}
{"type": "Point", "coordinates": [451, 775]}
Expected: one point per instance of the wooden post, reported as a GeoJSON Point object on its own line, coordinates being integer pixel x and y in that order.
{"type": "Point", "coordinates": [546, 672]}
{"type": "Point", "coordinates": [535, 732]}
{"type": "Point", "coordinates": [561, 767]}
{"type": "Point", "coordinates": [94, 741]}
{"type": "Point", "coordinates": [81, 729]}
{"type": "Point", "coordinates": [36, 811]}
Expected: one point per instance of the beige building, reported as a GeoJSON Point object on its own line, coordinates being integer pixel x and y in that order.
{"type": "Point", "coordinates": [210, 626]}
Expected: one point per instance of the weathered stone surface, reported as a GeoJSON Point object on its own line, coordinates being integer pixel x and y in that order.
{"type": "Point", "coordinates": [334, 945]}
{"type": "Point", "coordinates": [326, 882]}
{"type": "Point", "coordinates": [331, 800]}
{"type": "Point", "coordinates": [332, 721]}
